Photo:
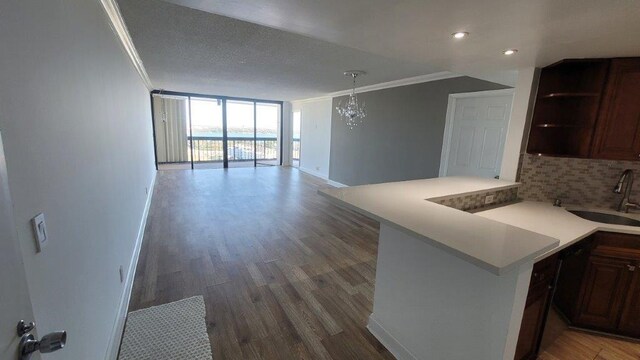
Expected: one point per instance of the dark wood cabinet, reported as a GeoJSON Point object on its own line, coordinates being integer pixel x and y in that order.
{"type": "Point", "coordinates": [630, 317]}
{"type": "Point", "coordinates": [588, 108]}
{"type": "Point", "coordinates": [595, 284]}
{"type": "Point", "coordinates": [566, 107]}
{"type": "Point", "coordinates": [536, 308]}
{"type": "Point", "coordinates": [618, 129]}
{"type": "Point", "coordinates": [574, 263]}
{"type": "Point", "coordinates": [603, 294]}
{"type": "Point", "coordinates": [599, 286]}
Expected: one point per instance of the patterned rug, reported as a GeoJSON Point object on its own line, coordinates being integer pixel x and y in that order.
{"type": "Point", "coordinates": [171, 331]}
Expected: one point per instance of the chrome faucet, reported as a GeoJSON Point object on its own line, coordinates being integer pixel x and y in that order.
{"type": "Point", "coordinates": [625, 203]}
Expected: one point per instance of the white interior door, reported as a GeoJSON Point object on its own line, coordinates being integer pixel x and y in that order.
{"type": "Point", "coordinates": [15, 304]}
{"type": "Point", "coordinates": [475, 134]}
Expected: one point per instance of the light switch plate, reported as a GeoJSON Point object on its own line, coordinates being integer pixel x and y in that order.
{"type": "Point", "coordinates": [40, 231]}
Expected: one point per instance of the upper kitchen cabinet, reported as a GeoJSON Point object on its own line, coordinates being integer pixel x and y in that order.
{"type": "Point", "coordinates": [566, 107]}
{"type": "Point", "coordinates": [588, 108]}
{"type": "Point", "coordinates": [618, 129]}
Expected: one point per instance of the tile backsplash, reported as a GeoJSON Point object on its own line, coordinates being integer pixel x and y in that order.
{"type": "Point", "coordinates": [585, 182]}
{"type": "Point", "coordinates": [474, 202]}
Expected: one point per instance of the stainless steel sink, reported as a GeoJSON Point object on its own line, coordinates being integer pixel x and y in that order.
{"type": "Point", "coordinates": [605, 218]}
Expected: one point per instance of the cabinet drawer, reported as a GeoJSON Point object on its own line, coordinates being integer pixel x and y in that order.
{"type": "Point", "coordinates": [620, 246]}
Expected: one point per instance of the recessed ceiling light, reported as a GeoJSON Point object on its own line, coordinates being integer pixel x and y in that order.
{"type": "Point", "coordinates": [460, 34]}
{"type": "Point", "coordinates": [510, 51]}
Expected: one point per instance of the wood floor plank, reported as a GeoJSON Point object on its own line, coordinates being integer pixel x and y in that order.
{"type": "Point", "coordinates": [306, 333]}
{"type": "Point", "coordinates": [579, 345]}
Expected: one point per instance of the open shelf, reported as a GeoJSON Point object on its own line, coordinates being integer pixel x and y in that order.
{"type": "Point", "coordinates": [561, 125]}
{"type": "Point", "coordinates": [566, 108]}
{"type": "Point", "coordinates": [568, 155]}
{"type": "Point", "coordinates": [569, 95]}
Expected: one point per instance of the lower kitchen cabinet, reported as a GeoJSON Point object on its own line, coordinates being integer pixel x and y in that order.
{"type": "Point", "coordinates": [603, 294]}
{"type": "Point", "coordinates": [630, 317]}
{"type": "Point", "coordinates": [597, 288]}
{"type": "Point", "coordinates": [606, 296]}
{"type": "Point", "coordinates": [536, 308]}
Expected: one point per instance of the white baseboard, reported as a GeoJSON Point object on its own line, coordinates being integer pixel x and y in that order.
{"type": "Point", "coordinates": [389, 342]}
{"type": "Point", "coordinates": [314, 173]}
{"type": "Point", "coordinates": [322, 176]}
{"type": "Point", "coordinates": [336, 184]}
{"type": "Point", "coordinates": [118, 327]}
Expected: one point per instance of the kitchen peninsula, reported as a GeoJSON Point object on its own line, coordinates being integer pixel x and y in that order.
{"type": "Point", "coordinates": [455, 284]}
{"type": "Point", "coordinates": [449, 284]}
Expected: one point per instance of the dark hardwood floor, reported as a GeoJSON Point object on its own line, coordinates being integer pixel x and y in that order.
{"type": "Point", "coordinates": [284, 274]}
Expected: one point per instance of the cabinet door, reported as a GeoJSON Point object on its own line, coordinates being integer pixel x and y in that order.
{"type": "Point", "coordinates": [605, 285]}
{"type": "Point", "coordinates": [618, 126]}
{"type": "Point", "coordinates": [570, 278]}
{"type": "Point", "coordinates": [536, 308]}
{"type": "Point", "coordinates": [630, 319]}
{"type": "Point", "coordinates": [532, 321]}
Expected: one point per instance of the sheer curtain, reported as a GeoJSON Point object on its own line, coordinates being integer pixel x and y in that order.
{"type": "Point", "coordinates": [171, 116]}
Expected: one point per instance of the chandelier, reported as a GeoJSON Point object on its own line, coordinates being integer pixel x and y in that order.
{"type": "Point", "coordinates": [349, 110]}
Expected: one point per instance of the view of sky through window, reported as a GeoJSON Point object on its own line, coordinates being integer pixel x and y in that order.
{"type": "Point", "coordinates": [206, 118]}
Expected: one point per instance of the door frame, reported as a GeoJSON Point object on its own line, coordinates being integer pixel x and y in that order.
{"type": "Point", "coordinates": [451, 112]}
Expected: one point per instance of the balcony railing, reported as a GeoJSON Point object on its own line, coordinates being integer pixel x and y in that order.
{"type": "Point", "coordinates": [210, 148]}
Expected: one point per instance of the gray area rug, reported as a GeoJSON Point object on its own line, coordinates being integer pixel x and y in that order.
{"type": "Point", "coordinates": [171, 331]}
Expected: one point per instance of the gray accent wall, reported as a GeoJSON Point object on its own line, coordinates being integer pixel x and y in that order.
{"type": "Point", "coordinates": [401, 137]}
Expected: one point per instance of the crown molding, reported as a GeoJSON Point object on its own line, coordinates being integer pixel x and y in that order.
{"type": "Point", "coordinates": [386, 85]}
{"type": "Point", "coordinates": [120, 29]}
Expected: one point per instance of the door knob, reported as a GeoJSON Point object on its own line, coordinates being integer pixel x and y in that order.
{"type": "Point", "coordinates": [631, 267]}
{"type": "Point", "coordinates": [49, 343]}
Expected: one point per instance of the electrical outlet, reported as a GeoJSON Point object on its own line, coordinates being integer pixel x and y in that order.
{"type": "Point", "coordinates": [489, 199]}
{"type": "Point", "coordinates": [121, 271]}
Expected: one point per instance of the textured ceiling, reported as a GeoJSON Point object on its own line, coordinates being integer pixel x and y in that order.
{"type": "Point", "coordinates": [303, 45]}
{"type": "Point", "coordinates": [194, 51]}
{"type": "Point", "coordinates": [544, 31]}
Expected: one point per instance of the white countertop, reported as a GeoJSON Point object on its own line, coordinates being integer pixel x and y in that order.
{"type": "Point", "coordinates": [556, 222]}
{"type": "Point", "coordinates": [493, 245]}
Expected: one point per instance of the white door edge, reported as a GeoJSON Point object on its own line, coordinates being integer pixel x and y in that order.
{"type": "Point", "coordinates": [448, 126]}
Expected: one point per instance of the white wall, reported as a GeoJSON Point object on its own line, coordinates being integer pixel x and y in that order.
{"type": "Point", "coordinates": [519, 122]}
{"type": "Point", "coordinates": [76, 122]}
{"type": "Point", "coordinates": [315, 135]}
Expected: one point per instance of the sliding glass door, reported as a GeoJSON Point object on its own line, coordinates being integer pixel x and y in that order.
{"type": "Point", "coordinates": [241, 130]}
{"type": "Point", "coordinates": [207, 146]}
{"type": "Point", "coordinates": [207, 132]}
{"type": "Point", "coordinates": [267, 134]}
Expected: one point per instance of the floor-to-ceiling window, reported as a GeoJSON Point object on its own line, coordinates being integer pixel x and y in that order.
{"type": "Point", "coordinates": [207, 148]}
{"type": "Point", "coordinates": [267, 133]}
{"type": "Point", "coordinates": [207, 132]}
{"type": "Point", "coordinates": [295, 148]}
{"type": "Point", "coordinates": [241, 131]}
